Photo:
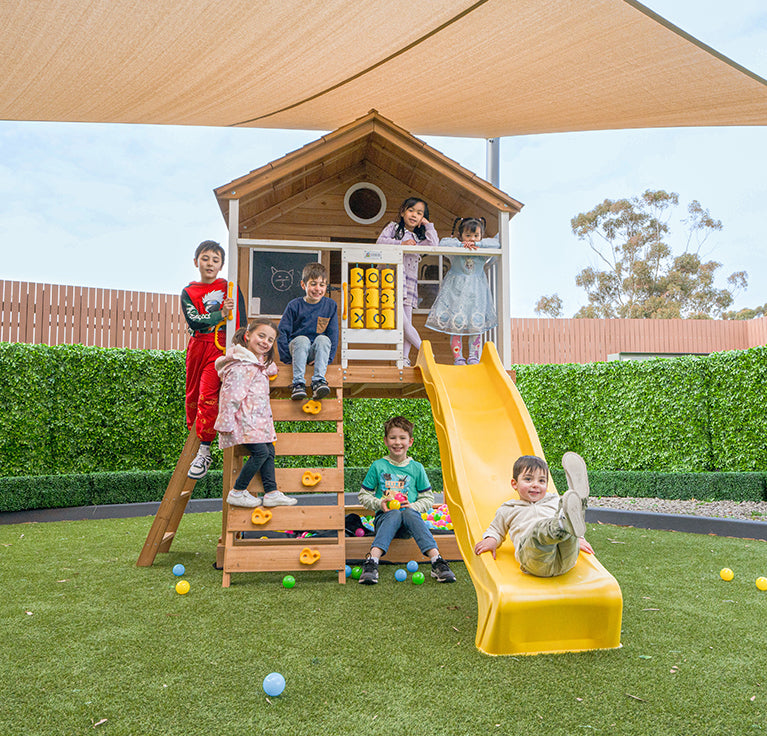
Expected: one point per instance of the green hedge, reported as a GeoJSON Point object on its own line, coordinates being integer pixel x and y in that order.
{"type": "Point", "coordinates": [71, 409]}
{"type": "Point", "coordinates": [652, 484]}
{"type": "Point", "coordinates": [87, 489]}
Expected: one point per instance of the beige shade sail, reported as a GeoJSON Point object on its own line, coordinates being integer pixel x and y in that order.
{"type": "Point", "coordinates": [449, 67]}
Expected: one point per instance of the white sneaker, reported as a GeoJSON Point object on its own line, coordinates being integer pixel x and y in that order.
{"type": "Point", "coordinates": [242, 498]}
{"type": "Point", "coordinates": [278, 498]}
{"type": "Point", "coordinates": [199, 467]}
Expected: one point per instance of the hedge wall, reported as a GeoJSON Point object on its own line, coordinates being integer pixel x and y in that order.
{"type": "Point", "coordinates": [87, 489]}
{"type": "Point", "coordinates": [73, 409]}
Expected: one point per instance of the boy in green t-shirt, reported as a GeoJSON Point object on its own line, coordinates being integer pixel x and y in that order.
{"type": "Point", "coordinates": [397, 489]}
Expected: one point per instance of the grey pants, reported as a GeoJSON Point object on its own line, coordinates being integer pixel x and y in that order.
{"type": "Point", "coordinates": [546, 550]}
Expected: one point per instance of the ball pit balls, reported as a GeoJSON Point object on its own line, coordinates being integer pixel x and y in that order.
{"type": "Point", "coordinates": [412, 566]}
{"type": "Point", "coordinates": [288, 582]}
{"type": "Point", "coordinates": [418, 578]}
{"type": "Point", "coordinates": [348, 571]}
{"type": "Point", "coordinates": [274, 684]}
{"type": "Point", "coordinates": [178, 570]}
{"type": "Point", "coordinates": [761, 583]}
{"type": "Point", "coordinates": [356, 572]}
{"type": "Point", "coordinates": [182, 587]}
{"type": "Point", "coordinates": [359, 532]}
{"type": "Point", "coordinates": [726, 574]}
{"type": "Point", "coordinates": [400, 575]}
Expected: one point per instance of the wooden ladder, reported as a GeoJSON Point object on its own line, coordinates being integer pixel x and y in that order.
{"type": "Point", "coordinates": [173, 504]}
{"type": "Point", "coordinates": [256, 553]}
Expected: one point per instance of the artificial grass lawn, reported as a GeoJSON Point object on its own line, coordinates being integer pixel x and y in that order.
{"type": "Point", "coordinates": [89, 636]}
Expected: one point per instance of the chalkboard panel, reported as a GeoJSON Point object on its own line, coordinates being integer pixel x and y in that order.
{"type": "Point", "coordinates": [275, 279]}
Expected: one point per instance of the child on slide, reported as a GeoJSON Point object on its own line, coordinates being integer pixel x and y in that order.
{"type": "Point", "coordinates": [545, 529]}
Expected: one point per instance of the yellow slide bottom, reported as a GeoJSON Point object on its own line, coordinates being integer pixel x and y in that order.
{"type": "Point", "coordinates": [483, 426]}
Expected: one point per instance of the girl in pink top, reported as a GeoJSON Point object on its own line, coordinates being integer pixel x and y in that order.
{"type": "Point", "coordinates": [244, 411]}
{"type": "Point", "coordinates": [412, 228]}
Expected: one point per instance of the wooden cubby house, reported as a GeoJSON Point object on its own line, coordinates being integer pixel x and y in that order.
{"type": "Point", "coordinates": [328, 201]}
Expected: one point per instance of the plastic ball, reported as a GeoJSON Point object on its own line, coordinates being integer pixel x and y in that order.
{"type": "Point", "coordinates": [348, 571]}
{"type": "Point", "coordinates": [418, 578]}
{"type": "Point", "coordinates": [412, 566]}
{"type": "Point", "coordinates": [288, 582]}
{"type": "Point", "coordinates": [360, 532]}
{"type": "Point", "coordinates": [356, 572]}
{"type": "Point", "coordinates": [394, 504]}
{"type": "Point", "coordinates": [274, 684]}
{"type": "Point", "coordinates": [178, 570]}
{"type": "Point", "coordinates": [400, 575]}
{"type": "Point", "coordinates": [726, 574]}
{"type": "Point", "coordinates": [182, 587]}
{"type": "Point", "coordinates": [761, 583]}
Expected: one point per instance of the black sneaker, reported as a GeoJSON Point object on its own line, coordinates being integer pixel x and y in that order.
{"type": "Point", "coordinates": [320, 389]}
{"type": "Point", "coordinates": [299, 392]}
{"type": "Point", "coordinates": [441, 570]}
{"type": "Point", "coordinates": [370, 572]}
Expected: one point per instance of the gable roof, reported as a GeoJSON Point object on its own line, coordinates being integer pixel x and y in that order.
{"type": "Point", "coordinates": [369, 147]}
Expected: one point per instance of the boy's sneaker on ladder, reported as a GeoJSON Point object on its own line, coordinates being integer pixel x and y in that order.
{"type": "Point", "coordinates": [299, 392]}
{"type": "Point", "coordinates": [242, 498]}
{"type": "Point", "coordinates": [278, 498]}
{"type": "Point", "coordinates": [320, 389]}
{"type": "Point", "coordinates": [199, 467]}
{"type": "Point", "coordinates": [441, 571]}
{"type": "Point", "coordinates": [369, 574]}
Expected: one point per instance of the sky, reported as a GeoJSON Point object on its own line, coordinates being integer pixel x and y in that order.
{"type": "Point", "coordinates": [123, 206]}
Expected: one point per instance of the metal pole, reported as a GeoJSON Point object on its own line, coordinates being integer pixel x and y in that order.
{"type": "Point", "coordinates": [493, 164]}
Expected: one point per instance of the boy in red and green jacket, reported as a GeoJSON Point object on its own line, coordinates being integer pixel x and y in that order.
{"type": "Point", "coordinates": [205, 304]}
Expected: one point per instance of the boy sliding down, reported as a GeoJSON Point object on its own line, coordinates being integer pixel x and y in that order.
{"type": "Point", "coordinates": [309, 333]}
{"type": "Point", "coordinates": [397, 474]}
{"type": "Point", "coordinates": [546, 529]}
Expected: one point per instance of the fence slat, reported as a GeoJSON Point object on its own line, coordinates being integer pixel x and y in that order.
{"type": "Point", "coordinates": [53, 314]}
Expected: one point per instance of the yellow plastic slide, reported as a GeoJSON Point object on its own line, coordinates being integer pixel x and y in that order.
{"type": "Point", "coordinates": [483, 426]}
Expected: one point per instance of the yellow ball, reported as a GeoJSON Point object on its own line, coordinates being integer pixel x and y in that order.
{"type": "Point", "coordinates": [182, 587]}
{"type": "Point", "coordinates": [394, 504]}
{"type": "Point", "coordinates": [761, 583]}
{"type": "Point", "coordinates": [726, 574]}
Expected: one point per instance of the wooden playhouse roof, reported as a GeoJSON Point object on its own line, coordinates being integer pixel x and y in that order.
{"type": "Point", "coordinates": [370, 147]}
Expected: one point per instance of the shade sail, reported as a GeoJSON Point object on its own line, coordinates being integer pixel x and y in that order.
{"type": "Point", "coordinates": [451, 67]}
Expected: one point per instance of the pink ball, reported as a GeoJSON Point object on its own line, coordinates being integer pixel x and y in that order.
{"type": "Point", "coordinates": [359, 532]}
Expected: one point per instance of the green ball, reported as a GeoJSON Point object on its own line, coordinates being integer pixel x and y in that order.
{"type": "Point", "coordinates": [288, 581]}
{"type": "Point", "coordinates": [356, 572]}
{"type": "Point", "coordinates": [418, 578]}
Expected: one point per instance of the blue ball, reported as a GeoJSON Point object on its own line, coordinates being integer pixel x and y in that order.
{"type": "Point", "coordinates": [178, 570]}
{"type": "Point", "coordinates": [348, 571]}
{"type": "Point", "coordinates": [412, 566]}
{"type": "Point", "coordinates": [400, 575]}
{"type": "Point", "coordinates": [274, 684]}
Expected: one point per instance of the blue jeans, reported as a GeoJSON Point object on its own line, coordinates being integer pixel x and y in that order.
{"type": "Point", "coordinates": [303, 351]}
{"type": "Point", "coordinates": [402, 523]}
{"type": "Point", "coordinates": [261, 460]}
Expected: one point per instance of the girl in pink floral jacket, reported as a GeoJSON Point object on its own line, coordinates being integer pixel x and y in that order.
{"type": "Point", "coordinates": [244, 412]}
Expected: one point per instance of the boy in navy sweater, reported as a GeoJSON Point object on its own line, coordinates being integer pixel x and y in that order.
{"type": "Point", "coordinates": [309, 333]}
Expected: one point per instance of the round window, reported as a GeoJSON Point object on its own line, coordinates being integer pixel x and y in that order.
{"type": "Point", "coordinates": [365, 203]}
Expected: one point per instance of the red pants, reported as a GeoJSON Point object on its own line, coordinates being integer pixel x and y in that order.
{"type": "Point", "coordinates": [202, 385]}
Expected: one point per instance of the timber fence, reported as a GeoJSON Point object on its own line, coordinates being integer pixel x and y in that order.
{"type": "Point", "coordinates": [56, 315]}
